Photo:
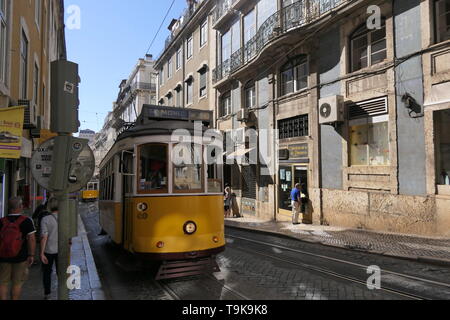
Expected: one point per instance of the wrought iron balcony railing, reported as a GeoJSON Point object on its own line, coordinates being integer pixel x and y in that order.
{"type": "Point", "coordinates": [298, 14]}
{"type": "Point", "coordinates": [221, 9]}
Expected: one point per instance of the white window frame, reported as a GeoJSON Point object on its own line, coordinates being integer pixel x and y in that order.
{"type": "Point", "coordinates": [250, 89]}
{"type": "Point", "coordinates": [295, 70]}
{"type": "Point", "coordinates": [225, 97]}
{"type": "Point", "coordinates": [36, 80]}
{"type": "Point", "coordinates": [204, 33]}
{"type": "Point", "coordinates": [190, 47]}
{"type": "Point", "coordinates": [189, 91]}
{"type": "Point", "coordinates": [179, 58]}
{"type": "Point", "coordinates": [368, 35]}
{"type": "Point", "coordinates": [169, 68]}
{"type": "Point", "coordinates": [203, 71]}
{"type": "Point", "coordinates": [24, 82]}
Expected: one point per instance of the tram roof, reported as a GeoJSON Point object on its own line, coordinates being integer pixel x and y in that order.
{"type": "Point", "coordinates": [159, 120]}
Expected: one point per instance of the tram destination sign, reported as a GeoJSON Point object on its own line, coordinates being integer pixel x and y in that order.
{"type": "Point", "coordinates": [170, 113]}
{"type": "Point", "coordinates": [81, 170]}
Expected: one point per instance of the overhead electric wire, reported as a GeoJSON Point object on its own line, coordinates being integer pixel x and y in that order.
{"type": "Point", "coordinates": [159, 29]}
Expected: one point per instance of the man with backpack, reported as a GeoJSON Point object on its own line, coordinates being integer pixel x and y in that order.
{"type": "Point", "coordinates": [17, 249]}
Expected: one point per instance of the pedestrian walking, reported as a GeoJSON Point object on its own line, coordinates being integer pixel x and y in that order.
{"type": "Point", "coordinates": [295, 202]}
{"type": "Point", "coordinates": [228, 202]}
{"type": "Point", "coordinates": [49, 245]}
{"type": "Point", "coordinates": [235, 206]}
{"type": "Point", "coordinates": [17, 250]}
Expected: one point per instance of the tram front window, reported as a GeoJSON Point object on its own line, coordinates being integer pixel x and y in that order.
{"type": "Point", "coordinates": [153, 168]}
{"type": "Point", "coordinates": [187, 170]}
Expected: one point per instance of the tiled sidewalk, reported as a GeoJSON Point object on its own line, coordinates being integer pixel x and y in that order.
{"type": "Point", "coordinates": [432, 250]}
{"type": "Point", "coordinates": [82, 257]}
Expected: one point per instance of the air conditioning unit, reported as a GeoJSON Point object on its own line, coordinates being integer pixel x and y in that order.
{"type": "Point", "coordinates": [331, 110]}
{"type": "Point", "coordinates": [30, 119]}
{"type": "Point", "coordinates": [243, 115]}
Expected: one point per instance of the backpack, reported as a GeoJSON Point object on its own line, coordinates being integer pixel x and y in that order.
{"type": "Point", "coordinates": [11, 238]}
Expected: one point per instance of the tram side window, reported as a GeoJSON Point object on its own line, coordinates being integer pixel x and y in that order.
{"type": "Point", "coordinates": [153, 168]}
{"type": "Point", "coordinates": [187, 170]}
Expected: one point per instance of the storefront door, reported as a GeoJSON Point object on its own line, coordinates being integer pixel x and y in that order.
{"type": "Point", "coordinates": [290, 175]}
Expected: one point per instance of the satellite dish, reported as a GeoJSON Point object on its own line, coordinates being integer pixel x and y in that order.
{"type": "Point", "coordinates": [325, 110]}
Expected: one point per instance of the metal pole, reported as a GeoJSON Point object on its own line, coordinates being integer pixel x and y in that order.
{"type": "Point", "coordinates": [63, 244]}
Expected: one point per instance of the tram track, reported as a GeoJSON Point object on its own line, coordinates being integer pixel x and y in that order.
{"type": "Point", "coordinates": [176, 289]}
{"type": "Point", "coordinates": [401, 293]}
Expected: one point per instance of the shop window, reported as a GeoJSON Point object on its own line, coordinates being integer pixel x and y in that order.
{"type": "Point", "coordinates": [153, 169]}
{"type": "Point", "coordinates": [187, 169]}
{"type": "Point", "coordinates": [369, 133]}
{"type": "Point", "coordinates": [442, 119]}
{"type": "Point", "coordinates": [368, 47]}
{"type": "Point", "coordinates": [442, 20]}
{"type": "Point", "coordinates": [294, 75]}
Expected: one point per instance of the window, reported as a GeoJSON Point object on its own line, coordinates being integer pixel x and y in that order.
{"type": "Point", "coordinates": [294, 127]}
{"type": "Point", "coordinates": [153, 169]}
{"type": "Point", "coordinates": [187, 169]}
{"type": "Point", "coordinates": [294, 75]}
{"type": "Point", "coordinates": [266, 8]}
{"type": "Point", "coordinates": [189, 91]}
{"type": "Point", "coordinates": [203, 81]}
{"type": "Point", "coordinates": [249, 26]}
{"type": "Point", "coordinates": [442, 119]}
{"type": "Point", "coordinates": [368, 47]}
{"type": "Point", "coordinates": [170, 100]}
{"type": "Point", "coordinates": [250, 95]}
{"type": "Point", "coordinates": [169, 68]}
{"type": "Point", "coordinates": [23, 66]}
{"type": "Point", "coordinates": [189, 47]}
{"type": "Point", "coordinates": [179, 58]}
{"type": "Point", "coordinates": [37, 12]}
{"type": "Point", "coordinates": [36, 85]}
{"type": "Point", "coordinates": [226, 46]}
{"type": "Point", "coordinates": [225, 104]}
{"type": "Point", "coordinates": [214, 171]}
{"type": "Point", "coordinates": [369, 133]}
{"type": "Point", "coordinates": [442, 20]}
{"type": "Point", "coordinates": [179, 97]}
{"type": "Point", "coordinates": [161, 76]}
{"type": "Point", "coordinates": [3, 40]}
{"type": "Point", "coordinates": [203, 33]}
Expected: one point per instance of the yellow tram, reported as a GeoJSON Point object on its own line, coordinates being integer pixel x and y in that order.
{"type": "Point", "coordinates": [158, 207]}
{"type": "Point", "coordinates": [90, 192]}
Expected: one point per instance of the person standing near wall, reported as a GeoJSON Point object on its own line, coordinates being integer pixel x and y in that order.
{"type": "Point", "coordinates": [295, 202]}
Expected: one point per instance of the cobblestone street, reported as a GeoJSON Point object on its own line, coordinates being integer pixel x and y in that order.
{"type": "Point", "coordinates": [259, 266]}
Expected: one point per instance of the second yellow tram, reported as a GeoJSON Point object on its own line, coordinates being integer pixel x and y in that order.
{"type": "Point", "coordinates": [156, 206]}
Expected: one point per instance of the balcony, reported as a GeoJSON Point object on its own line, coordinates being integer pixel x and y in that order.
{"type": "Point", "coordinates": [222, 11]}
{"type": "Point", "coordinates": [298, 14]}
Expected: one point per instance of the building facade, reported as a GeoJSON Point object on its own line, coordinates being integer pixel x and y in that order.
{"type": "Point", "coordinates": [359, 92]}
{"type": "Point", "coordinates": [134, 92]}
{"type": "Point", "coordinates": [31, 37]}
{"type": "Point", "coordinates": [184, 67]}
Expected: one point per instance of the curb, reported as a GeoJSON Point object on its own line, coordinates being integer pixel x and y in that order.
{"type": "Point", "coordinates": [94, 279]}
{"type": "Point", "coordinates": [422, 259]}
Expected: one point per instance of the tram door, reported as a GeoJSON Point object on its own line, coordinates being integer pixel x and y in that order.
{"type": "Point", "coordinates": [128, 176]}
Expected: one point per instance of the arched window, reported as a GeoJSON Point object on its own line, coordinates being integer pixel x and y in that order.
{"type": "Point", "coordinates": [368, 47]}
{"type": "Point", "coordinates": [294, 75]}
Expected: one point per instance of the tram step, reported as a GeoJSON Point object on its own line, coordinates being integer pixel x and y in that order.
{"type": "Point", "coordinates": [186, 268]}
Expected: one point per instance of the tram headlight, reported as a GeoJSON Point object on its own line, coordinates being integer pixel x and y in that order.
{"type": "Point", "coordinates": [190, 227]}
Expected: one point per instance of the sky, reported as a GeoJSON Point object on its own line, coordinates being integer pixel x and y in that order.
{"type": "Point", "coordinates": [112, 36]}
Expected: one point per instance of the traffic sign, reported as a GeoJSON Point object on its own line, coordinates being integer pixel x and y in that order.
{"type": "Point", "coordinates": [81, 169]}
